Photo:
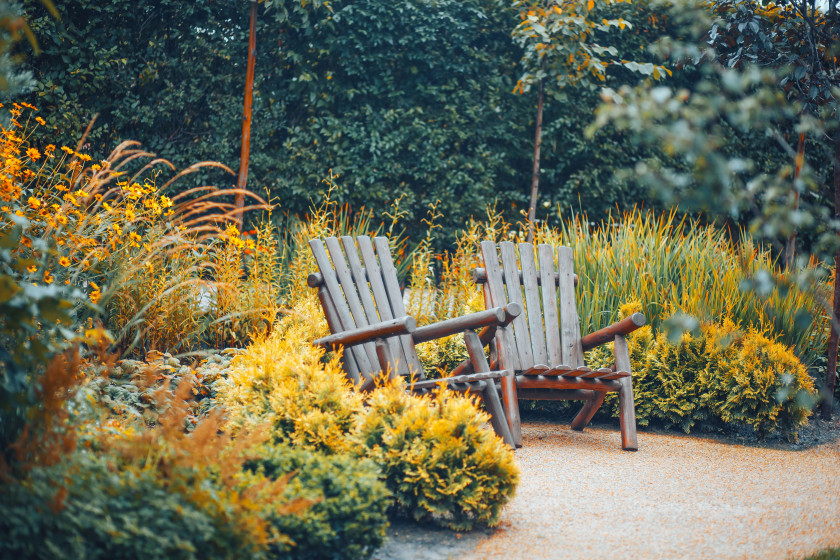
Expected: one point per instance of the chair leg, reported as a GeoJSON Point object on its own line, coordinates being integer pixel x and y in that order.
{"type": "Point", "coordinates": [626, 407]}
{"type": "Point", "coordinates": [511, 403]}
{"type": "Point", "coordinates": [489, 392]}
{"type": "Point", "coordinates": [497, 413]}
{"type": "Point", "coordinates": [627, 415]}
{"type": "Point", "coordinates": [590, 407]}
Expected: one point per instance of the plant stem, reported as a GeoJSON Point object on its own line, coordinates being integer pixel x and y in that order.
{"type": "Point", "coordinates": [790, 247]}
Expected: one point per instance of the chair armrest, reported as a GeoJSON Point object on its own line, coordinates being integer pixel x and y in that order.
{"type": "Point", "coordinates": [385, 329]}
{"type": "Point", "coordinates": [491, 317]}
{"type": "Point", "coordinates": [608, 334]}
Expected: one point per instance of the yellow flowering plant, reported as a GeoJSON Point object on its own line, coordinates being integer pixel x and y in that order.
{"type": "Point", "coordinates": [143, 260]}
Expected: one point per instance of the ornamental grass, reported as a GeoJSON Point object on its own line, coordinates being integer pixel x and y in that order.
{"type": "Point", "coordinates": [164, 272]}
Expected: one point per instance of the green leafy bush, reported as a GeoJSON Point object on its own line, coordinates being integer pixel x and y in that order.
{"type": "Point", "coordinates": [349, 515]}
{"type": "Point", "coordinates": [86, 510]}
{"type": "Point", "coordinates": [721, 376]}
{"type": "Point", "coordinates": [437, 460]}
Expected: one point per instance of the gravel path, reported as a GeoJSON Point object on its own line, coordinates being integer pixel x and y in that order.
{"type": "Point", "coordinates": [678, 497]}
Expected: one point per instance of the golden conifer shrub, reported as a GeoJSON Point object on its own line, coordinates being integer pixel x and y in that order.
{"type": "Point", "coordinates": [725, 376]}
{"type": "Point", "coordinates": [438, 460]}
{"type": "Point", "coordinates": [283, 380]}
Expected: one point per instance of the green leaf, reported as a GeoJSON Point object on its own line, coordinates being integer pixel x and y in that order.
{"type": "Point", "coordinates": [8, 288]}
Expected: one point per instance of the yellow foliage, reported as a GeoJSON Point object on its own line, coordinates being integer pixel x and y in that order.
{"type": "Point", "coordinates": [723, 376]}
{"type": "Point", "coordinates": [437, 458]}
{"type": "Point", "coordinates": [283, 380]}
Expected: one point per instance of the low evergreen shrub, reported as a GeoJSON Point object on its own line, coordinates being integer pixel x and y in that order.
{"type": "Point", "coordinates": [81, 508]}
{"type": "Point", "coordinates": [349, 515]}
{"type": "Point", "coordinates": [437, 459]}
{"type": "Point", "coordinates": [722, 376]}
{"type": "Point", "coordinates": [283, 381]}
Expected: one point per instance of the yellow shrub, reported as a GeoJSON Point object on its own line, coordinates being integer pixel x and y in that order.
{"type": "Point", "coordinates": [284, 381]}
{"type": "Point", "coordinates": [724, 376]}
{"type": "Point", "coordinates": [437, 459]}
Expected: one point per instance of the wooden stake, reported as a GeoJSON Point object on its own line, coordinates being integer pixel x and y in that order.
{"type": "Point", "coordinates": [239, 201]}
{"type": "Point", "coordinates": [831, 366]}
{"type": "Point", "coordinates": [535, 176]}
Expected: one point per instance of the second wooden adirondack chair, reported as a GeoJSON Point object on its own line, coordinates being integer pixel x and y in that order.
{"type": "Point", "coordinates": [365, 312]}
{"type": "Point", "coordinates": [546, 349]}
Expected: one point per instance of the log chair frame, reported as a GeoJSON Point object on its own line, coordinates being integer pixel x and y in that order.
{"type": "Point", "coordinates": [366, 315]}
{"type": "Point", "coordinates": [545, 349]}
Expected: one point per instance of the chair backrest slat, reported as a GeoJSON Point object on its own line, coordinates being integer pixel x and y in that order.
{"type": "Point", "coordinates": [392, 289]}
{"type": "Point", "coordinates": [572, 351]}
{"type": "Point", "coordinates": [335, 326]}
{"type": "Point", "coordinates": [510, 270]}
{"type": "Point", "coordinates": [374, 315]}
{"type": "Point", "coordinates": [345, 317]}
{"type": "Point", "coordinates": [383, 303]}
{"type": "Point", "coordinates": [532, 303]}
{"type": "Point", "coordinates": [549, 298]}
{"type": "Point", "coordinates": [496, 289]}
{"type": "Point", "coordinates": [351, 296]}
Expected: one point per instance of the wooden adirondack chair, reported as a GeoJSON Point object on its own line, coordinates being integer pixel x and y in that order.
{"type": "Point", "coordinates": [366, 315]}
{"type": "Point", "coordinates": [546, 349]}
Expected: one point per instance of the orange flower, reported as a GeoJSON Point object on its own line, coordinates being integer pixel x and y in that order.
{"type": "Point", "coordinates": [34, 202]}
{"type": "Point", "coordinates": [40, 121]}
{"type": "Point", "coordinates": [64, 261]}
{"type": "Point", "coordinates": [96, 294]}
{"type": "Point", "coordinates": [33, 154]}
{"type": "Point", "coordinates": [48, 278]}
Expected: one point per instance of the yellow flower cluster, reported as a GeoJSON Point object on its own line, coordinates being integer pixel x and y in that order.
{"type": "Point", "coordinates": [71, 205]}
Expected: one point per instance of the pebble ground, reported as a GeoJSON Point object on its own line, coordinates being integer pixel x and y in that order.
{"type": "Point", "coordinates": [690, 497]}
{"type": "Point", "coordinates": [677, 497]}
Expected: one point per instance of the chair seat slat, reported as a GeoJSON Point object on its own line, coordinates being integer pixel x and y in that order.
{"type": "Point", "coordinates": [538, 369]}
{"type": "Point", "coordinates": [615, 375]}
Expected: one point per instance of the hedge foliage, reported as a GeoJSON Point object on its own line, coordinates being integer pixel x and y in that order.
{"type": "Point", "coordinates": [411, 98]}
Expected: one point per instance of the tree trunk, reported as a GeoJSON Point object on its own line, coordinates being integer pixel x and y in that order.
{"type": "Point", "coordinates": [239, 201]}
{"type": "Point", "coordinates": [831, 367]}
{"type": "Point", "coordinates": [535, 176]}
{"type": "Point", "coordinates": [790, 247]}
